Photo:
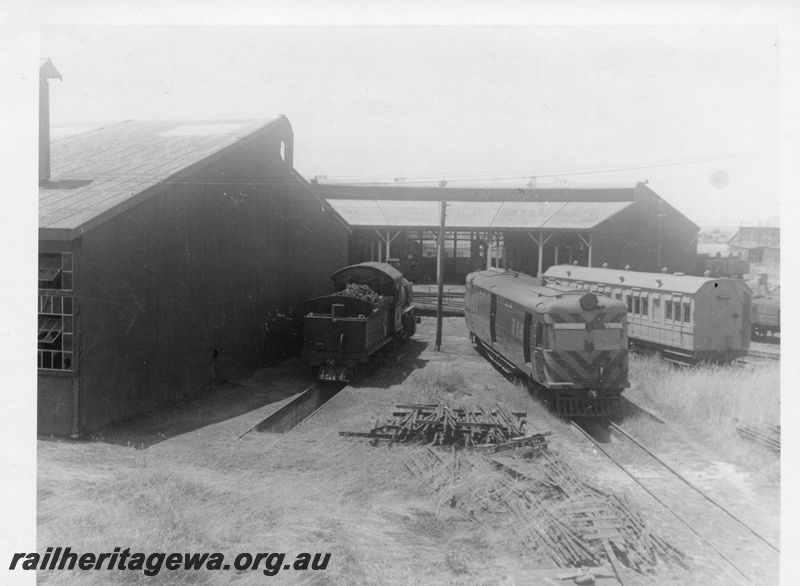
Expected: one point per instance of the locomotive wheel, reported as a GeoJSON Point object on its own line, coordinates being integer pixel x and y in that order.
{"type": "Point", "coordinates": [411, 327]}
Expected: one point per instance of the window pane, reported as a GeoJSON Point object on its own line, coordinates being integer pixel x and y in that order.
{"type": "Point", "coordinates": [686, 312]}
{"type": "Point", "coordinates": [677, 311]}
{"type": "Point", "coordinates": [463, 249]}
{"type": "Point", "coordinates": [630, 303]}
{"type": "Point", "coordinates": [68, 305]}
{"type": "Point", "coordinates": [607, 339]}
{"type": "Point", "coordinates": [644, 307]}
{"type": "Point", "coordinates": [668, 305]}
{"type": "Point", "coordinates": [637, 306]}
{"type": "Point", "coordinates": [569, 339]}
{"type": "Point", "coordinates": [66, 281]}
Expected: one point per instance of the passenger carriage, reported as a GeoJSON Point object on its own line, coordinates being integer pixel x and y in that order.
{"type": "Point", "coordinates": [687, 319]}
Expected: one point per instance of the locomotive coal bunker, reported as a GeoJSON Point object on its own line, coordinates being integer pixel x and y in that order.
{"type": "Point", "coordinates": [370, 309]}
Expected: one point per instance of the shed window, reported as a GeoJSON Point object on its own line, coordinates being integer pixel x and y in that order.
{"type": "Point", "coordinates": [55, 325]}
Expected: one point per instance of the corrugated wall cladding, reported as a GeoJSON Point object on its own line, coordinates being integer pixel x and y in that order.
{"type": "Point", "coordinates": [190, 274]}
{"type": "Point", "coordinates": [56, 401]}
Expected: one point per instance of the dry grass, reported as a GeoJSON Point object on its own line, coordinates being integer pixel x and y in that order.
{"type": "Point", "coordinates": [712, 401]}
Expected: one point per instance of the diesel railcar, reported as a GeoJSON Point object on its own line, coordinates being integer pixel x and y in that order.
{"type": "Point", "coordinates": [571, 343]}
{"type": "Point", "coordinates": [687, 319]}
{"type": "Point", "coordinates": [766, 315]}
{"type": "Point", "coordinates": [371, 307]}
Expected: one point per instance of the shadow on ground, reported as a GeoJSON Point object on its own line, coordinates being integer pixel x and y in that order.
{"type": "Point", "coordinates": [394, 366]}
{"type": "Point", "coordinates": [220, 403]}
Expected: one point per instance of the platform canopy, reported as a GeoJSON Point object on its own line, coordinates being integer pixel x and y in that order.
{"type": "Point", "coordinates": [478, 215]}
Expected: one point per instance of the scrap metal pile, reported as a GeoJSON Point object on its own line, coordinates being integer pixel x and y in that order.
{"type": "Point", "coordinates": [491, 430]}
{"type": "Point", "coordinates": [362, 292]}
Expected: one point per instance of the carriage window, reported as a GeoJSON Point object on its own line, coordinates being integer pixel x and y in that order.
{"type": "Point", "coordinates": [630, 303]}
{"type": "Point", "coordinates": [686, 313]}
{"type": "Point", "coordinates": [668, 306]}
{"type": "Point", "coordinates": [644, 307]}
{"type": "Point", "coordinates": [637, 306]}
{"type": "Point", "coordinates": [656, 309]}
{"type": "Point", "coordinates": [677, 310]}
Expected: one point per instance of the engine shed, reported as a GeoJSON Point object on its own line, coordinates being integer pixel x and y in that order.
{"type": "Point", "coordinates": [522, 229]}
{"type": "Point", "coordinates": [165, 250]}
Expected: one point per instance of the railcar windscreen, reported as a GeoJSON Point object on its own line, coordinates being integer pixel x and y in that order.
{"type": "Point", "coordinates": [570, 338]}
{"type": "Point", "coordinates": [608, 339]}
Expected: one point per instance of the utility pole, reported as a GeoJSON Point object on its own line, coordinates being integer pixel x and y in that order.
{"type": "Point", "coordinates": [440, 274]}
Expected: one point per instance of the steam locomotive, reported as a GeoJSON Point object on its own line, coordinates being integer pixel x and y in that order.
{"type": "Point", "coordinates": [371, 308]}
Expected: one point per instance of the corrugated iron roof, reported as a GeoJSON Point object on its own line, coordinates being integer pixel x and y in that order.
{"type": "Point", "coordinates": [102, 172]}
{"type": "Point", "coordinates": [478, 215]}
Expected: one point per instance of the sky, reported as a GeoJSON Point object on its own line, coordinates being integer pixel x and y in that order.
{"type": "Point", "coordinates": [692, 109]}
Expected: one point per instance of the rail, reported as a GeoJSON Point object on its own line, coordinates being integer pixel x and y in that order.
{"type": "Point", "coordinates": [661, 502]}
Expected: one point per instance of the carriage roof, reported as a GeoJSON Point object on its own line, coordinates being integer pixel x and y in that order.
{"type": "Point", "coordinates": [529, 292]}
{"type": "Point", "coordinates": [675, 283]}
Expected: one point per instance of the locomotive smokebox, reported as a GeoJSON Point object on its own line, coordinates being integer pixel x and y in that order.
{"type": "Point", "coordinates": [588, 302]}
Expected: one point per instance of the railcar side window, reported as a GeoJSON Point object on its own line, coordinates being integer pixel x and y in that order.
{"type": "Point", "coordinates": [637, 306]}
{"type": "Point", "coordinates": [686, 313]}
{"type": "Point", "coordinates": [668, 306]}
{"type": "Point", "coordinates": [677, 310]}
{"type": "Point", "coordinates": [644, 307]}
{"type": "Point", "coordinates": [656, 309]}
{"type": "Point", "coordinates": [629, 301]}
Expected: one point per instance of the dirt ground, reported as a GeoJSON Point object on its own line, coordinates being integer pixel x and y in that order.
{"type": "Point", "coordinates": [220, 421]}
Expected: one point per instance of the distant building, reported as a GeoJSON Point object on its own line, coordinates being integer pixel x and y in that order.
{"type": "Point", "coordinates": [164, 249]}
{"type": "Point", "coordinates": [759, 244]}
{"type": "Point", "coordinates": [527, 229]}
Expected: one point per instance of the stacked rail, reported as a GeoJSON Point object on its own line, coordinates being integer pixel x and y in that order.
{"type": "Point", "coordinates": [491, 430]}
{"type": "Point", "coordinates": [555, 514]}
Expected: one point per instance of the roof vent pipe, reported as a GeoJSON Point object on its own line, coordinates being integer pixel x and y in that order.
{"type": "Point", "coordinates": [46, 71]}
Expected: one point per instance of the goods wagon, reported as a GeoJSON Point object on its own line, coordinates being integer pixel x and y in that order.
{"type": "Point", "coordinates": [687, 319]}
{"type": "Point", "coordinates": [766, 315]}
{"type": "Point", "coordinates": [369, 309]}
{"type": "Point", "coordinates": [571, 343]}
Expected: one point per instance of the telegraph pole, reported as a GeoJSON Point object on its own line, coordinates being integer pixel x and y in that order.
{"type": "Point", "coordinates": [440, 274]}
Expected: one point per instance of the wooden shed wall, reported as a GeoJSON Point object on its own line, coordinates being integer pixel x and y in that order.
{"type": "Point", "coordinates": [194, 270]}
{"type": "Point", "coordinates": [632, 238]}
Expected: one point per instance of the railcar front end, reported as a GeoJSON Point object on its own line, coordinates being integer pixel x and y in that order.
{"type": "Point", "coordinates": [570, 343]}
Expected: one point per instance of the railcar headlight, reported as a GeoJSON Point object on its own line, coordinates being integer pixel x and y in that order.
{"type": "Point", "coordinates": [588, 301]}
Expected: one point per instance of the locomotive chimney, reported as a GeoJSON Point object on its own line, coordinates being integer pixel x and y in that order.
{"type": "Point", "coordinates": [46, 71]}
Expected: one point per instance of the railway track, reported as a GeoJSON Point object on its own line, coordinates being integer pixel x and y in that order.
{"type": "Point", "coordinates": [717, 521]}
